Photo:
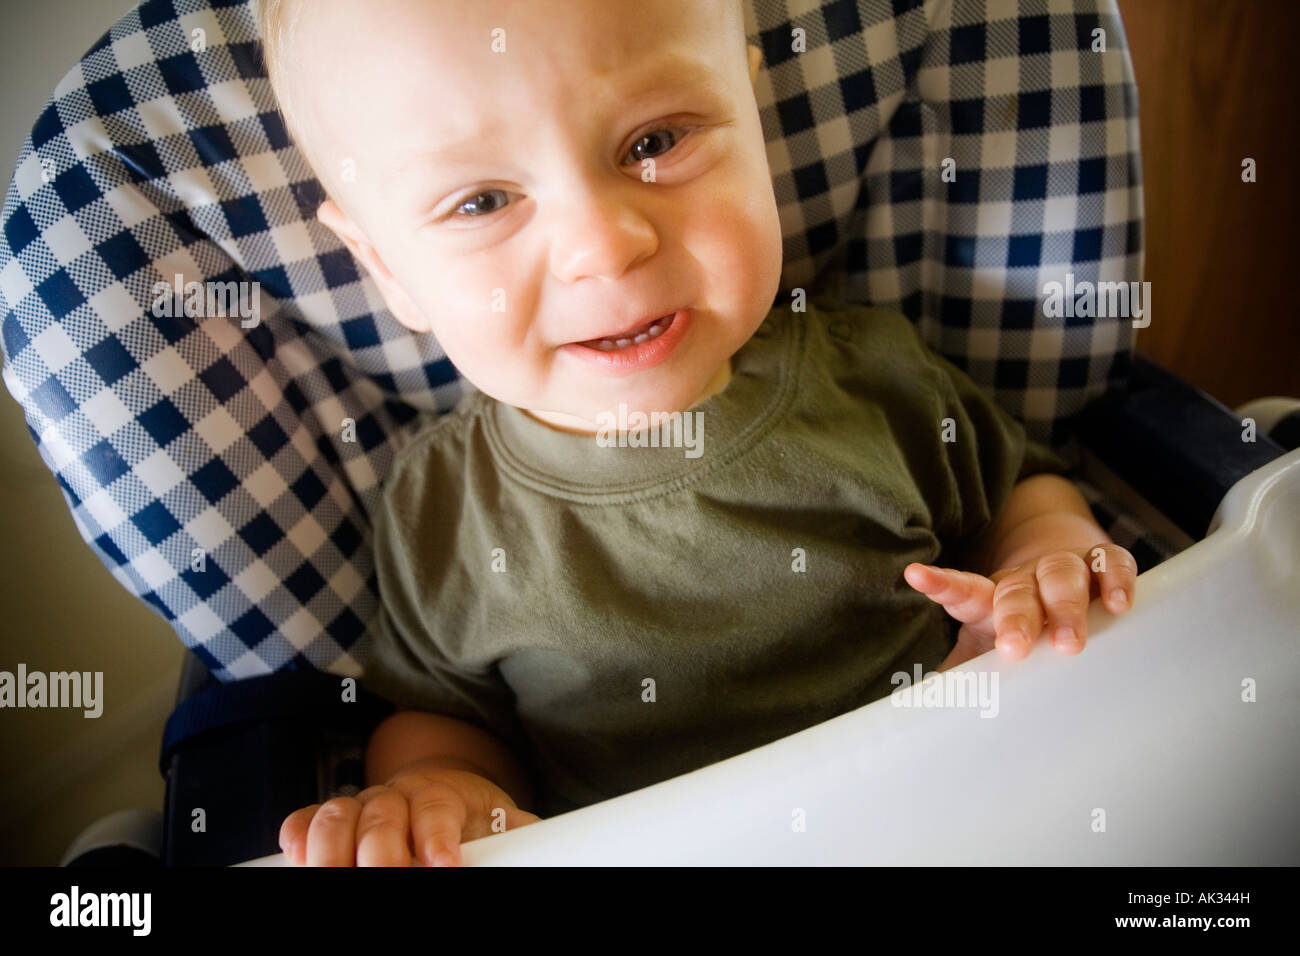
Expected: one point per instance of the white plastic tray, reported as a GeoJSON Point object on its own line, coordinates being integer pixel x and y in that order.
{"type": "Point", "coordinates": [1148, 725]}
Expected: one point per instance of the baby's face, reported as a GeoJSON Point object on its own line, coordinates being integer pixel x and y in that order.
{"type": "Point", "coordinates": [502, 201]}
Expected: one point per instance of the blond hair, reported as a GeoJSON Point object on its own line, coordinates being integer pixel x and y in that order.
{"type": "Point", "coordinates": [277, 23]}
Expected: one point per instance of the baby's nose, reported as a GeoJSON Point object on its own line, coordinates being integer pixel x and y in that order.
{"type": "Point", "coordinates": [604, 239]}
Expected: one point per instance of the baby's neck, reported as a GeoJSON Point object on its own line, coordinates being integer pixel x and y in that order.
{"type": "Point", "coordinates": [575, 425]}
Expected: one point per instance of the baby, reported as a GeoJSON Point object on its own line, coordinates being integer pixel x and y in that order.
{"type": "Point", "coordinates": [671, 522]}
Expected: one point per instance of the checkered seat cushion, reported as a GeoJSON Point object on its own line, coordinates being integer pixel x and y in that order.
{"type": "Point", "coordinates": [226, 475]}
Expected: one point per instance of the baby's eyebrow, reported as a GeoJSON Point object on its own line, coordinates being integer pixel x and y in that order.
{"type": "Point", "coordinates": [464, 151]}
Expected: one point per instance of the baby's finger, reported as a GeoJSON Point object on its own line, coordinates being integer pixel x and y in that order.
{"type": "Point", "coordinates": [1114, 570]}
{"type": "Point", "coordinates": [502, 817]}
{"type": "Point", "coordinates": [1063, 584]}
{"type": "Point", "coordinates": [520, 818]}
{"type": "Point", "coordinates": [293, 834]}
{"type": "Point", "coordinates": [382, 828]}
{"type": "Point", "coordinates": [966, 596]}
{"type": "Point", "coordinates": [437, 821]}
{"type": "Point", "coordinates": [331, 838]}
{"type": "Point", "coordinates": [1017, 613]}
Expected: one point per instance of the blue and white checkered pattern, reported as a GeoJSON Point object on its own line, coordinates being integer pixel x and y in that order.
{"type": "Point", "coordinates": [180, 437]}
{"type": "Point", "coordinates": [1044, 137]}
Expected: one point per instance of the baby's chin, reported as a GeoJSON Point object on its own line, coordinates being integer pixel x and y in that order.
{"type": "Point", "coordinates": [578, 395]}
{"type": "Point", "coordinates": [674, 397]}
{"type": "Point", "coordinates": [619, 409]}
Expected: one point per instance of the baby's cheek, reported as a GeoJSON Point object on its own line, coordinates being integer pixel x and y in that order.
{"type": "Point", "coordinates": [746, 237]}
{"type": "Point", "coordinates": [730, 246]}
{"type": "Point", "coordinates": [491, 363]}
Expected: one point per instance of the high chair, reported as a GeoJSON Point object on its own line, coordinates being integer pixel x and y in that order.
{"type": "Point", "coordinates": [226, 474]}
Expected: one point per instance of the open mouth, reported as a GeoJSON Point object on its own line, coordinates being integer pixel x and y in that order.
{"type": "Point", "coordinates": [652, 329]}
{"type": "Point", "coordinates": [634, 350]}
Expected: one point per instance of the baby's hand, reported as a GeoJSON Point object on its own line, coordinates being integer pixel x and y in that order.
{"type": "Point", "coordinates": [425, 811]}
{"type": "Point", "coordinates": [1007, 609]}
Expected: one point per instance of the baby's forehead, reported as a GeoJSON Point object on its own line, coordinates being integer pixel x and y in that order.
{"type": "Point", "coordinates": [469, 47]}
{"type": "Point", "coordinates": [423, 75]}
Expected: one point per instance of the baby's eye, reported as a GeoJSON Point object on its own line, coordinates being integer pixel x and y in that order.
{"type": "Point", "coordinates": [652, 144]}
{"type": "Point", "coordinates": [484, 203]}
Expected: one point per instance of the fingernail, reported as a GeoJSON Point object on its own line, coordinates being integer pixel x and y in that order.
{"type": "Point", "coordinates": [1118, 597]}
{"type": "Point", "coordinates": [1066, 637]}
{"type": "Point", "coordinates": [1014, 640]}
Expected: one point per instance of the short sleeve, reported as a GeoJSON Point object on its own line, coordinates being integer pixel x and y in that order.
{"type": "Point", "coordinates": [991, 453]}
{"type": "Point", "coordinates": [406, 664]}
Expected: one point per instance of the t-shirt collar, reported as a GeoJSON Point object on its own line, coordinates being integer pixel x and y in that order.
{"type": "Point", "coordinates": [589, 466]}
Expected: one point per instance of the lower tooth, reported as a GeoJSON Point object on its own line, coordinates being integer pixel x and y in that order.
{"type": "Point", "coordinates": [640, 338]}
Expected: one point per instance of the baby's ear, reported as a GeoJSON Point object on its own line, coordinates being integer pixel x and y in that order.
{"type": "Point", "coordinates": [395, 296]}
{"type": "Point", "coordinates": [755, 58]}
{"type": "Point", "coordinates": [331, 215]}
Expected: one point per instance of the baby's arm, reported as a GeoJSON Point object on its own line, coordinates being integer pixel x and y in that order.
{"type": "Point", "coordinates": [434, 783]}
{"type": "Point", "coordinates": [415, 736]}
{"type": "Point", "coordinates": [1044, 513]}
{"type": "Point", "coordinates": [1045, 559]}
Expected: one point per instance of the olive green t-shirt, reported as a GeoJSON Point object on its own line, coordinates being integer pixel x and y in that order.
{"type": "Point", "coordinates": [620, 615]}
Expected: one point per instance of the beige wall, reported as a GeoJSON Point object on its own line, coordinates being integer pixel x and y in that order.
{"type": "Point", "coordinates": [62, 608]}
